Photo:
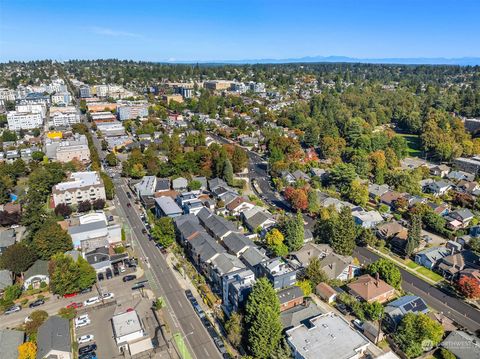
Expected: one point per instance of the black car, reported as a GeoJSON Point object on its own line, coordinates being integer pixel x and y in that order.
{"type": "Point", "coordinates": [86, 290]}
{"type": "Point", "coordinates": [144, 231]}
{"type": "Point", "coordinates": [189, 294]}
{"type": "Point", "coordinates": [129, 195]}
{"type": "Point", "coordinates": [87, 349]}
{"type": "Point", "coordinates": [91, 355]}
{"type": "Point", "coordinates": [116, 271]}
{"type": "Point", "coordinates": [108, 273]}
{"type": "Point", "coordinates": [219, 343]}
{"type": "Point", "coordinates": [37, 303]}
{"type": "Point", "coordinates": [101, 276]}
{"type": "Point", "coordinates": [129, 277]}
{"type": "Point", "coordinates": [342, 308]}
{"type": "Point", "coordinates": [138, 286]}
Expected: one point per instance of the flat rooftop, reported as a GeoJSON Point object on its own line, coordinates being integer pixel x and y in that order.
{"type": "Point", "coordinates": [126, 323]}
{"type": "Point", "coordinates": [78, 180]}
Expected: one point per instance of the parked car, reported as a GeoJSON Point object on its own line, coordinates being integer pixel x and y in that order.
{"type": "Point", "coordinates": [342, 308]}
{"type": "Point", "coordinates": [87, 349]}
{"type": "Point", "coordinates": [101, 276]}
{"type": "Point", "coordinates": [129, 205]}
{"type": "Point", "coordinates": [74, 305]}
{"type": "Point", "coordinates": [82, 323]}
{"type": "Point", "coordinates": [108, 273]}
{"type": "Point", "coordinates": [129, 195]}
{"type": "Point", "coordinates": [138, 286]}
{"type": "Point", "coordinates": [13, 309]}
{"type": "Point", "coordinates": [110, 218]}
{"type": "Point", "coordinates": [86, 290]}
{"type": "Point", "coordinates": [91, 301]}
{"type": "Point", "coordinates": [91, 355]}
{"type": "Point", "coordinates": [189, 294]}
{"type": "Point", "coordinates": [219, 343]}
{"type": "Point", "coordinates": [116, 272]}
{"type": "Point", "coordinates": [81, 317]}
{"type": "Point", "coordinates": [357, 323]}
{"type": "Point", "coordinates": [121, 268]}
{"type": "Point", "coordinates": [36, 303]}
{"type": "Point", "coordinates": [129, 277]}
{"type": "Point", "coordinates": [144, 231]}
{"type": "Point", "coordinates": [85, 338]}
{"type": "Point", "coordinates": [106, 296]}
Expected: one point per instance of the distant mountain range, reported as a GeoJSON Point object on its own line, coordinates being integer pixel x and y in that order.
{"type": "Point", "coordinates": [463, 61]}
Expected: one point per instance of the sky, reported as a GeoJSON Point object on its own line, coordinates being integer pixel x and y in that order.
{"type": "Point", "coordinates": [215, 30]}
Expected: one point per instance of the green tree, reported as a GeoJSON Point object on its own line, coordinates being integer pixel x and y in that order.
{"type": "Point", "coordinates": [227, 172]}
{"type": "Point", "coordinates": [109, 187]}
{"type": "Point", "coordinates": [387, 270]}
{"type": "Point", "coordinates": [239, 159]}
{"type": "Point", "coordinates": [12, 292]}
{"type": "Point", "coordinates": [275, 242]}
{"type": "Point", "coordinates": [17, 258]}
{"type": "Point", "coordinates": [414, 330]}
{"type": "Point", "coordinates": [414, 234]}
{"type": "Point", "coordinates": [263, 319]}
{"type": "Point", "coordinates": [37, 317]}
{"type": "Point", "coordinates": [358, 193]}
{"type": "Point", "coordinates": [194, 185]}
{"type": "Point", "coordinates": [313, 202]}
{"type": "Point", "coordinates": [374, 310]}
{"type": "Point", "coordinates": [294, 232]}
{"type": "Point", "coordinates": [343, 232]}
{"type": "Point", "coordinates": [341, 176]}
{"type": "Point", "coordinates": [63, 210]}
{"type": "Point", "coordinates": [51, 239]}
{"type": "Point", "coordinates": [87, 275]}
{"type": "Point", "coordinates": [111, 159]}
{"type": "Point", "coordinates": [314, 272]}
{"type": "Point", "coordinates": [38, 156]}
{"type": "Point", "coordinates": [234, 328]}
{"type": "Point", "coordinates": [164, 231]}
{"type": "Point", "coordinates": [64, 274]}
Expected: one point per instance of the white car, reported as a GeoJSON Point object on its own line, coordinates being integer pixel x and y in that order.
{"type": "Point", "coordinates": [122, 269]}
{"type": "Point", "coordinates": [82, 318]}
{"type": "Point", "coordinates": [106, 296]}
{"type": "Point", "coordinates": [82, 323]}
{"type": "Point", "coordinates": [91, 301]}
{"type": "Point", "coordinates": [85, 339]}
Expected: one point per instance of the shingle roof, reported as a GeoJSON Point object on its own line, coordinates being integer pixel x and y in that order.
{"type": "Point", "coordinates": [225, 263]}
{"type": "Point", "coordinates": [5, 279]}
{"type": "Point", "coordinates": [334, 264]}
{"type": "Point", "coordinates": [205, 246]}
{"type": "Point", "coordinates": [236, 242]}
{"type": "Point", "coordinates": [288, 294]}
{"type": "Point", "coordinates": [369, 288]}
{"type": "Point", "coordinates": [253, 256]}
{"type": "Point", "coordinates": [462, 345]}
{"type": "Point", "coordinates": [296, 315]}
{"type": "Point", "coordinates": [9, 342]}
{"type": "Point", "coordinates": [257, 219]}
{"type": "Point", "coordinates": [406, 304]}
{"type": "Point", "coordinates": [53, 334]}
{"type": "Point", "coordinates": [39, 267]}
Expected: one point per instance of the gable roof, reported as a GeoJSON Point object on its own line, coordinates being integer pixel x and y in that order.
{"type": "Point", "coordinates": [53, 334]}
{"type": "Point", "coordinates": [258, 219]}
{"type": "Point", "coordinates": [205, 246]}
{"type": "Point", "coordinates": [295, 316]}
{"type": "Point", "coordinates": [288, 294]}
{"type": "Point", "coordinates": [10, 340]}
{"type": "Point", "coordinates": [236, 242]}
{"type": "Point", "coordinates": [225, 263]}
{"type": "Point", "coordinates": [253, 256]}
{"type": "Point", "coordinates": [334, 264]}
{"type": "Point", "coordinates": [369, 288]}
{"type": "Point", "coordinates": [406, 304]}
{"type": "Point", "coordinates": [40, 267]}
{"type": "Point", "coordinates": [462, 345]}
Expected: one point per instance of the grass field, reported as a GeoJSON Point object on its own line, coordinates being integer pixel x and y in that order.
{"type": "Point", "coordinates": [414, 144]}
{"type": "Point", "coordinates": [428, 273]}
{"type": "Point", "coordinates": [411, 264]}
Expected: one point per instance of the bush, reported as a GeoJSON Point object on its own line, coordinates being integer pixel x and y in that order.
{"type": "Point", "coordinates": [119, 250]}
{"type": "Point", "coordinates": [446, 354]}
{"type": "Point", "coordinates": [67, 313]}
{"type": "Point", "coordinates": [12, 293]}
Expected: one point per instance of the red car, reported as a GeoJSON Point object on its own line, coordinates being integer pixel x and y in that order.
{"type": "Point", "coordinates": [70, 295]}
{"type": "Point", "coordinates": [75, 305]}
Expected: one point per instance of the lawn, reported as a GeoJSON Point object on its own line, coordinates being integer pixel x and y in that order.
{"type": "Point", "coordinates": [414, 144]}
{"type": "Point", "coordinates": [428, 273]}
{"type": "Point", "coordinates": [411, 264]}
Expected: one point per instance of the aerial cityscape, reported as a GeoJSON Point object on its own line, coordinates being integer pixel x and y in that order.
{"type": "Point", "coordinates": [248, 179]}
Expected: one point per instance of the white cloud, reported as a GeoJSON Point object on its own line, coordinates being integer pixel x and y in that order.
{"type": "Point", "coordinates": [111, 32]}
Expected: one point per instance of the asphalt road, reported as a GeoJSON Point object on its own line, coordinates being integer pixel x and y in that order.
{"type": "Point", "coordinates": [182, 313]}
{"type": "Point", "coordinates": [454, 308]}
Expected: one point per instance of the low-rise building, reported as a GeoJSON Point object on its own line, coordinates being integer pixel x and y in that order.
{"type": "Point", "coordinates": [429, 257]}
{"type": "Point", "coordinates": [10, 340]}
{"type": "Point", "coordinates": [129, 112]}
{"type": "Point", "coordinates": [82, 186]}
{"type": "Point", "coordinates": [54, 340]}
{"type": "Point", "coordinates": [166, 207]}
{"type": "Point", "coordinates": [36, 275]}
{"type": "Point", "coordinates": [339, 267]}
{"type": "Point", "coordinates": [24, 120]}
{"type": "Point", "coordinates": [396, 310]}
{"type": "Point", "coordinates": [290, 297]}
{"type": "Point", "coordinates": [236, 287]}
{"type": "Point", "coordinates": [371, 289]}
{"type": "Point", "coordinates": [462, 345]}
{"type": "Point", "coordinates": [64, 119]}
{"type": "Point", "coordinates": [326, 336]}
{"type": "Point", "coordinates": [128, 330]}
{"type": "Point", "coordinates": [278, 272]}
{"type": "Point", "coordinates": [368, 219]}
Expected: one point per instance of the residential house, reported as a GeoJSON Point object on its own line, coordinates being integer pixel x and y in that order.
{"type": "Point", "coordinates": [326, 336]}
{"type": "Point", "coordinates": [166, 207]}
{"type": "Point", "coordinates": [473, 274]}
{"type": "Point", "coordinates": [307, 235]}
{"type": "Point", "coordinates": [237, 243]}
{"type": "Point", "coordinates": [252, 258]}
{"type": "Point", "coordinates": [10, 340]}
{"type": "Point", "coordinates": [180, 184]}
{"type": "Point", "coordinates": [222, 265]}
{"type": "Point", "coordinates": [302, 257]}
{"type": "Point", "coordinates": [396, 310]}
{"type": "Point", "coordinates": [326, 292]}
{"type": "Point", "coordinates": [300, 175]}
{"type": "Point", "coordinates": [290, 297]}
{"type": "Point", "coordinates": [6, 280]}
{"type": "Point", "coordinates": [202, 181]}
{"type": "Point", "coordinates": [460, 175]}
{"type": "Point", "coordinates": [99, 259]}
{"type": "Point", "coordinates": [8, 237]}
{"type": "Point", "coordinates": [319, 173]}
{"type": "Point", "coordinates": [440, 170]}
{"type": "Point", "coordinates": [459, 218]}
{"type": "Point", "coordinates": [236, 286]}
{"type": "Point", "coordinates": [462, 345]}
{"type": "Point", "coordinates": [451, 266]}
{"type": "Point", "coordinates": [438, 188]}
{"type": "Point", "coordinates": [278, 272]}
{"type": "Point", "coordinates": [299, 314]}
{"type": "Point", "coordinates": [288, 177]}
{"type": "Point", "coordinates": [429, 257]}
{"type": "Point", "coordinates": [257, 217]}
{"type": "Point", "coordinates": [377, 190]}
{"type": "Point", "coordinates": [390, 197]}
{"type": "Point", "coordinates": [53, 339]}
{"type": "Point", "coordinates": [339, 267]}
{"type": "Point", "coordinates": [163, 185]}
{"type": "Point", "coordinates": [216, 226]}
{"type": "Point", "coordinates": [440, 209]}
{"type": "Point", "coordinates": [371, 289]}
{"type": "Point", "coordinates": [146, 187]}
{"type": "Point", "coordinates": [389, 230]}
{"type": "Point", "coordinates": [238, 206]}
{"type": "Point", "coordinates": [202, 248]}
{"type": "Point", "coordinates": [368, 219]}
{"type": "Point", "coordinates": [36, 275]}
{"type": "Point", "coordinates": [469, 187]}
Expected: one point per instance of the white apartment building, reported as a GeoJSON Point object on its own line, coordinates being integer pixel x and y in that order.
{"type": "Point", "coordinates": [82, 186]}
{"type": "Point", "coordinates": [101, 90]}
{"type": "Point", "coordinates": [31, 107]}
{"type": "Point", "coordinates": [64, 118]}
{"type": "Point", "coordinates": [23, 120]}
{"type": "Point", "coordinates": [7, 94]}
{"type": "Point", "coordinates": [61, 98]}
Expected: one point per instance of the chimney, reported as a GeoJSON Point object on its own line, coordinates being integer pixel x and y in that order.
{"type": "Point", "coordinates": [377, 277]}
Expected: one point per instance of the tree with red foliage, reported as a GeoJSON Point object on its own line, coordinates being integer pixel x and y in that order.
{"type": "Point", "coordinates": [297, 197]}
{"type": "Point", "coordinates": [63, 210]}
{"type": "Point", "coordinates": [469, 287]}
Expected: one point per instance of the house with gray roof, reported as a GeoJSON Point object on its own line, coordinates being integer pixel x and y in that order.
{"type": "Point", "coordinates": [236, 286]}
{"type": "Point", "coordinates": [203, 182]}
{"type": "Point", "coordinates": [396, 310]}
{"type": "Point", "coordinates": [222, 265]}
{"type": "Point", "coordinates": [237, 243]}
{"type": "Point", "coordinates": [6, 280]}
{"type": "Point", "coordinates": [257, 217]}
{"type": "Point", "coordinates": [279, 272]}
{"type": "Point", "coordinates": [367, 219]}
{"type": "Point", "coordinates": [309, 251]}
{"type": "Point", "coordinates": [36, 274]}
{"type": "Point", "coordinates": [299, 314]}
{"type": "Point", "coordinates": [462, 345]}
{"type": "Point", "coordinates": [252, 257]}
{"type": "Point", "coordinates": [339, 267]}
{"type": "Point", "coordinates": [429, 257]}
{"type": "Point", "coordinates": [300, 175]}
{"type": "Point", "coordinates": [216, 182]}
{"type": "Point", "coordinates": [10, 340]}
{"type": "Point", "coordinates": [7, 238]}
{"type": "Point", "coordinates": [180, 184]}
{"type": "Point", "coordinates": [53, 339]}
{"type": "Point", "coordinates": [166, 207]}
{"type": "Point", "coordinates": [215, 225]}
{"type": "Point", "coordinates": [203, 249]}
{"type": "Point", "coordinates": [377, 190]}
{"type": "Point", "coordinates": [146, 187]}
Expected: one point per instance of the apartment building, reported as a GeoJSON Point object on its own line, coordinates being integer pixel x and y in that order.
{"type": "Point", "coordinates": [23, 106]}
{"type": "Point", "coordinates": [24, 120]}
{"type": "Point", "coordinates": [61, 98]}
{"type": "Point", "coordinates": [129, 112]}
{"type": "Point", "coordinates": [217, 85]}
{"type": "Point", "coordinates": [64, 119]}
{"type": "Point", "coordinates": [81, 186]}
{"type": "Point", "coordinates": [84, 91]}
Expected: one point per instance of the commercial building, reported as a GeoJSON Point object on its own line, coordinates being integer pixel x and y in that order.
{"type": "Point", "coordinates": [166, 207]}
{"type": "Point", "coordinates": [24, 120]}
{"type": "Point", "coordinates": [175, 97]}
{"type": "Point", "coordinates": [82, 186]}
{"type": "Point", "coordinates": [110, 129]}
{"type": "Point", "coordinates": [185, 92]}
{"type": "Point", "coordinates": [68, 149]}
{"type": "Point", "coordinates": [37, 97]}
{"type": "Point", "coordinates": [84, 91]}
{"type": "Point", "coordinates": [327, 336]}
{"type": "Point", "coordinates": [26, 107]}
{"type": "Point", "coordinates": [128, 112]}
{"type": "Point", "coordinates": [129, 333]}
{"type": "Point", "coordinates": [101, 106]}
{"type": "Point", "coordinates": [103, 116]}
{"type": "Point", "coordinates": [217, 85]}
{"type": "Point", "coordinates": [61, 98]}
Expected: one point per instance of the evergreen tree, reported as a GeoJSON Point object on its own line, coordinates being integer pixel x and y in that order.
{"type": "Point", "coordinates": [294, 232]}
{"type": "Point", "coordinates": [414, 234]}
{"type": "Point", "coordinates": [343, 233]}
{"type": "Point", "coordinates": [227, 172]}
{"type": "Point", "coordinates": [51, 239]}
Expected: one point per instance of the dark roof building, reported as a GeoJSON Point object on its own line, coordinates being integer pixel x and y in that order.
{"type": "Point", "coordinates": [54, 338]}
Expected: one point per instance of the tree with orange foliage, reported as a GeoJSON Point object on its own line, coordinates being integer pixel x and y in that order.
{"type": "Point", "coordinates": [469, 287]}
{"type": "Point", "coordinates": [27, 350]}
{"type": "Point", "coordinates": [297, 197]}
